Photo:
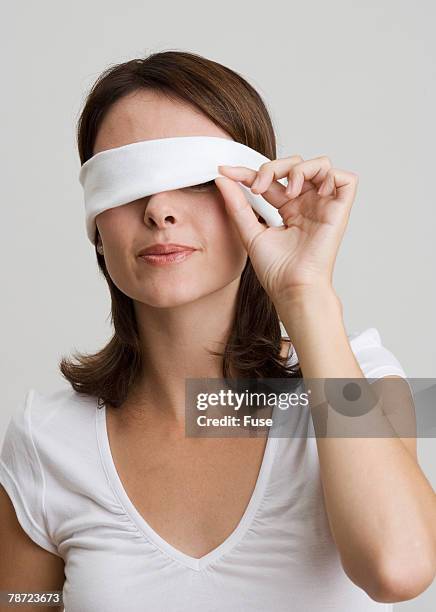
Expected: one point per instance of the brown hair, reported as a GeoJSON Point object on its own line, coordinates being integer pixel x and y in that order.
{"type": "Point", "coordinates": [254, 344]}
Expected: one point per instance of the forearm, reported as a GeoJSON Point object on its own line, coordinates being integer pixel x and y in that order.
{"type": "Point", "coordinates": [378, 501]}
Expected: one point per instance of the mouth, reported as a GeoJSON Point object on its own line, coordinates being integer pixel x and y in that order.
{"type": "Point", "coordinates": [170, 257]}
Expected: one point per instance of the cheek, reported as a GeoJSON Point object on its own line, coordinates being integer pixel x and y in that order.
{"type": "Point", "coordinates": [116, 224]}
{"type": "Point", "coordinates": [224, 242]}
{"type": "Point", "coordinates": [115, 228]}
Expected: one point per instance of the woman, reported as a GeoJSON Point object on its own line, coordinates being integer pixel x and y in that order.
{"type": "Point", "coordinates": [104, 495]}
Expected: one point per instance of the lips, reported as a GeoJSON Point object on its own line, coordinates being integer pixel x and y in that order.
{"type": "Point", "coordinates": [164, 249]}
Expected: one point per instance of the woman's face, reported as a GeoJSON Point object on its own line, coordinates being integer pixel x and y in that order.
{"type": "Point", "coordinates": [193, 216]}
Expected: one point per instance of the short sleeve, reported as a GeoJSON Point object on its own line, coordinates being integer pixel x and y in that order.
{"type": "Point", "coordinates": [374, 359]}
{"type": "Point", "coordinates": [22, 476]}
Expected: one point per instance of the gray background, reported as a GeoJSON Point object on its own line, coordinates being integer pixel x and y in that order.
{"type": "Point", "coordinates": [354, 81]}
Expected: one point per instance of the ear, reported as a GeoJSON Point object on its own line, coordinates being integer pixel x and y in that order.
{"type": "Point", "coordinates": [98, 243]}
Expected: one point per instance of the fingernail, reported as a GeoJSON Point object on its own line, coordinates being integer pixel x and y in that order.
{"type": "Point", "coordinates": [289, 188]}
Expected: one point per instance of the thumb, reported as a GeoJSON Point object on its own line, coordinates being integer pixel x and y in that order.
{"type": "Point", "coordinates": [240, 210]}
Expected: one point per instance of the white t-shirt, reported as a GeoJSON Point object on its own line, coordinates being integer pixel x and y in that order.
{"type": "Point", "coordinates": [57, 468]}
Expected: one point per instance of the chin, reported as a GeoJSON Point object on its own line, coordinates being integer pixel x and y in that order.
{"type": "Point", "coordinates": [172, 298]}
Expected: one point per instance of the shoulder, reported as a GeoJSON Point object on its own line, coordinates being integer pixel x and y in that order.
{"type": "Point", "coordinates": [65, 407]}
{"type": "Point", "coordinates": [375, 359]}
{"type": "Point", "coordinates": [23, 457]}
{"type": "Point", "coordinates": [369, 337]}
{"type": "Point", "coordinates": [48, 453]}
{"type": "Point", "coordinates": [42, 425]}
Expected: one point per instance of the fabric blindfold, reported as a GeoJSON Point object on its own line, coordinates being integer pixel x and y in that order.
{"type": "Point", "coordinates": [117, 176]}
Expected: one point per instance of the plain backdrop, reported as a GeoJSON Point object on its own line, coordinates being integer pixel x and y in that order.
{"type": "Point", "coordinates": [351, 80]}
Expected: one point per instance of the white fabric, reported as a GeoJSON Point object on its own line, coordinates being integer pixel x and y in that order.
{"type": "Point", "coordinates": [123, 174]}
{"type": "Point", "coordinates": [57, 468]}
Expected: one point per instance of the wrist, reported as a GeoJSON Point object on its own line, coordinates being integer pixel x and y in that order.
{"type": "Point", "coordinates": [308, 296]}
{"type": "Point", "coordinates": [308, 305]}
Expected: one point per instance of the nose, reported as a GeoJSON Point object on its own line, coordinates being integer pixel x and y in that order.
{"type": "Point", "coordinates": [162, 208]}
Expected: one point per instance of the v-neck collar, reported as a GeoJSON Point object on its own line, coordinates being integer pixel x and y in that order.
{"type": "Point", "coordinates": [229, 543]}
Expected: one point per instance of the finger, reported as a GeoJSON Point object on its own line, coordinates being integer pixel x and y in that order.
{"type": "Point", "coordinates": [240, 211]}
{"type": "Point", "coordinates": [343, 182]}
{"type": "Point", "coordinates": [312, 170]}
{"type": "Point", "coordinates": [274, 170]}
{"type": "Point", "coordinates": [270, 189]}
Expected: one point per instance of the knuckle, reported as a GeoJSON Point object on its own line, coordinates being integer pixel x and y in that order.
{"type": "Point", "coordinates": [294, 159]}
{"type": "Point", "coordinates": [297, 166]}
